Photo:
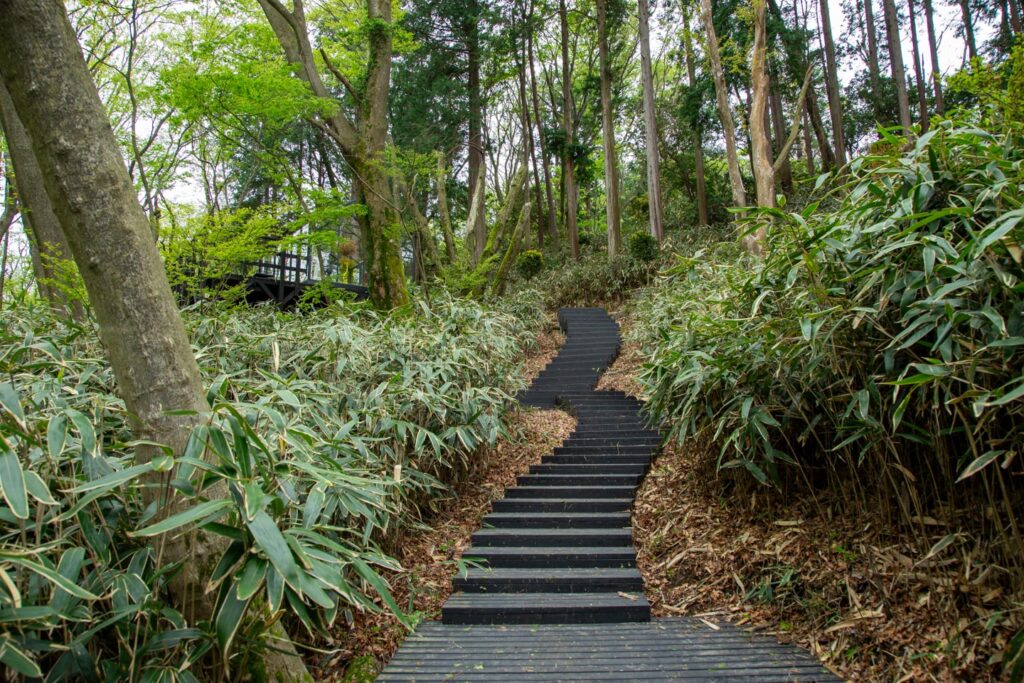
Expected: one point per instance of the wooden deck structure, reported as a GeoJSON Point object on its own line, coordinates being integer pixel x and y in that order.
{"type": "Point", "coordinates": [282, 278]}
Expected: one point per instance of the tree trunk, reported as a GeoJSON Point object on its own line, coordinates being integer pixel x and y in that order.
{"type": "Point", "coordinates": [362, 142]}
{"type": "Point", "coordinates": [808, 147]}
{"type": "Point", "coordinates": [835, 105]}
{"type": "Point", "coordinates": [892, 30]}
{"type": "Point", "coordinates": [110, 240]}
{"type": "Point", "coordinates": [611, 170]}
{"type": "Point", "coordinates": [922, 104]}
{"type": "Point", "coordinates": [476, 117]}
{"type": "Point", "coordinates": [828, 160]}
{"type": "Point", "coordinates": [527, 125]}
{"type": "Point", "coordinates": [651, 125]}
{"type": "Point", "coordinates": [972, 45]}
{"type": "Point", "coordinates": [49, 247]}
{"type": "Point", "coordinates": [698, 136]}
{"type": "Point", "coordinates": [933, 50]}
{"type": "Point", "coordinates": [549, 195]}
{"type": "Point", "coordinates": [1015, 18]}
{"type": "Point", "coordinates": [871, 32]}
{"type": "Point", "coordinates": [441, 189]}
{"type": "Point", "coordinates": [568, 170]}
{"type": "Point", "coordinates": [779, 137]}
{"type": "Point", "coordinates": [759, 139]}
{"type": "Point", "coordinates": [724, 113]}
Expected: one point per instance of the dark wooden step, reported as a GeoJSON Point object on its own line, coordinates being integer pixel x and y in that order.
{"type": "Point", "coordinates": [647, 449]}
{"type": "Point", "coordinates": [583, 480]}
{"type": "Point", "coordinates": [545, 608]}
{"type": "Point", "coordinates": [597, 459]}
{"type": "Point", "coordinates": [548, 580]}
{"type": "Point", "coordinates": [587, 470]}
{"type": "Point", "coordinates": [557, 520]}
{"type": "Point", "coordinates": [554, 537]}
{"type": "Point", "coordinates": [556, 556]}
{"type": "Point", "coordinates": [566, 492]}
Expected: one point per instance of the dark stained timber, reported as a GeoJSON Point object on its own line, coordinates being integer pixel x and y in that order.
{"type": "Point", "coordinates": [558, 596]}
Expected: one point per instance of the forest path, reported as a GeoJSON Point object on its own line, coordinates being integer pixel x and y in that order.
{"type": "Point", "coordinates": [559, 596]}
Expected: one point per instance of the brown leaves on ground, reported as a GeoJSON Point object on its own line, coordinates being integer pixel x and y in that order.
{"type": "Point", "coordinates": [853, 588]}
{"type": "Point", "coordinates": [430, 556]}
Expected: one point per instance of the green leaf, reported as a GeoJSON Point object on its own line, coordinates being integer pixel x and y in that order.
{"type": "Point", "coordinates": [193, 514]}
{"type": "Point", "coordinates": [37, 488]}
{"type": "Point", "coordinates": [229, 620]}
{"type": "Point", "coordinates": [50, 575]}
{"type": "Point", "coordinates": [12, 481]}
{"type": "Point", "coordinates": [373, 578]}
{"type": "Point", "coordinates": [18, 660]}
{"type": "Point", "coordinates": [56, 435]}
{"type": "Point", "coordinates": [979, 464]}
{"type": "Point", "coordinates": [251, 578]}
{"type": "Point", "coordinates": [12, 404]}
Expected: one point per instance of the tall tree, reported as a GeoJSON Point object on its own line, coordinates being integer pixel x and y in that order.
{"type": "Point", "coordinates": [933, 50]}
{"type": "Point", "coordinates": [611, 171]}
{"type": "Point", "coordinates": [568, 162]}
{"type": "Point", "coordinates": [871, 34]}
{"type": "Point", "coordinates": [110, 239]}
{"type": "Point", "coordinates": [835, 105]}
{"type": "Point", "coordinates": [650, 125]}
{"type": "Point", "coordinates": [915, 53]}
{"type": "Point", "coordinates": [739, 198]}
{"type": "Point", "coordinates": [362, 141]}
{"type": "Point", "coordinates": [471, 29]}
{"type": "Point", "coordinates": [764, 175]}
{"type": "Point", "coordinates": [549, 194]}
{"type": "Point", "coordinates": [899, 76]}
{"type": "Point", "coordinates": [49, 248]}
{"type": "Point", "coordinates": [968, 28]}
{"type": "Point", "coordinates": [698, 133]}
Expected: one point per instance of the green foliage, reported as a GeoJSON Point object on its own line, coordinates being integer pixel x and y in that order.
{"type": "Point", "coordinates": [529, 264]}
{"type": "Point", "coordinates": [330, 433]}
{"type": "Point", "coordinates": [592, 280]}
{"type": "Point", "coordinates": [888, 330]}
{"type": "Point", "coordinates": [643, 247]}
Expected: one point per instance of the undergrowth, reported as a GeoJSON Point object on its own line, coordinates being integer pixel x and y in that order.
{"type": "Point", "coordinates": [878, 350]}
{"type": "Point", "coordinates": [331, 432]}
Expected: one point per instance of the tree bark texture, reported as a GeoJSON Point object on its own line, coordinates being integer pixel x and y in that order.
{"type": "Point", "coordinates": [654, 204]}
{"type": "Point", "coordinates": [724, 113]}
{"type": "Point", "coordinates": [835, 105]}
{"type": "Point", "coordinates": [933, 51]}
{"type": "Point", "coordinates": [899, 75]}
{"type": "Point", "coordinates": [49, 247]}
{"type": "Point", "coordinates": [915, 52]}
{"type": "Point", "coordinates": [568, 169]}
{"type": "Point", "coordinates": [611, 170]}
{"type": "Point", "coordinates": [549, 195]}
{"type": "Point", "coordinates": [476, 118]}
{"type": "Point", "coordinates": [109, 237]}
{"type": "Point", "coordinates": [698, 137]}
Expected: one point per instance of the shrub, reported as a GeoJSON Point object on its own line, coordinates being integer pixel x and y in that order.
{"type": "Point", "coordinates": [592, 280]}
{"type": "Point", "coordinates": [643, 247]}
{"type": "Point", "coordinates": [529, 263]}
{"type": "Point", "coordinates": [891, 325]}
{"type": "Point", "coordinates": [331, 431]}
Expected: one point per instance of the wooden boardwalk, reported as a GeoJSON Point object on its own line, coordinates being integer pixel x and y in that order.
{"type": "Point", "coordinates": [559, 596]}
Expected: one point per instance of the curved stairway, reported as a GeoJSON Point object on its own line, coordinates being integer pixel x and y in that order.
{"type": "Point", "coordinates": [558, 551]}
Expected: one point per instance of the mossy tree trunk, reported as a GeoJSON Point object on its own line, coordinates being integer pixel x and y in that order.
{"type": "Point", "coordinates": [362, 140]}
{"type": "Point", "coordinates": [110, 239]}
